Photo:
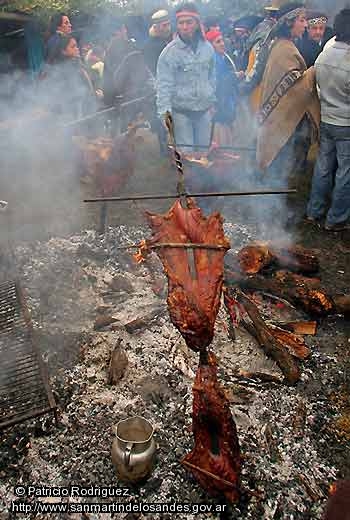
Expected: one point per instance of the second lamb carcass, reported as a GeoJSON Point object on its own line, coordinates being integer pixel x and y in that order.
{"type": "Point", "coordinates": [193, 298]}
{"type": "Point", "coordinates": [215, 459]}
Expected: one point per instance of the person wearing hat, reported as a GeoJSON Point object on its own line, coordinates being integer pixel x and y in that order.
{"type": "Point", "coordinates": [226, 90]}
{"type": "Point", "coordinates": [186, 80]}
{"type": "Point", "coordinates": [315, 37]}
{"type": "Point", "coordinates": [257, 43]}
{"type": "Point", "coordinates": [159, 37]}
{"type": "Point", "coordinates": [289, 110]}
{"type": "Point", "coordinates": [241, 30]}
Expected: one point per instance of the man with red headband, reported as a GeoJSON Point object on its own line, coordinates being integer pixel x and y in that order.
{"type": "Point", "coordinates": [186, 80]}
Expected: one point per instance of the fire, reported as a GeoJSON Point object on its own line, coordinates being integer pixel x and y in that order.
{"type": "Point", "coordinates": [333, 488]}
{"type": "Point", "coordinates": [142, 252]}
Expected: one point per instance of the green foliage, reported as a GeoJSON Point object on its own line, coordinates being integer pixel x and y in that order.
{"type": "Point", "coordinates": [44, 8]}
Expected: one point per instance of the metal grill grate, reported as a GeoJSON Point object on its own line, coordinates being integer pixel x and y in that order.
{"type": "Point", "coordinates": [24, 388]}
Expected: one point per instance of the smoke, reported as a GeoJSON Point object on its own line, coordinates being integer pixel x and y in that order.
{"type": "Point", "coordinates": [329, 8]}
{"type": "Point", "coordinates": [40, 165]}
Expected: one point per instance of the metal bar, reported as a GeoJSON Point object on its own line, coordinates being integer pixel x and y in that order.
{"type": "Point", "coordinates": [90, 116]}
{"type": "Point", "coordinates": [30, 415]}
{"type": "Point", "coordinates": [177, 246]}
{"type": "Point", "coordinates": [23, 360]}
{"type": "Point", "coordinates": [42, 367]}
{"type": "Point", "coordinates": [22, 379]}
{"type": "Point", "coordinates": [23, 371]}
{"type": "Point", "coordinates": [105, 111]}
{"type": "Point", "coordinates": [206, 147]}
{"type": "Point", "coordinates": [181, 188]}
{"type": "Point", "coordinates": [17, 397]}
{"type": "Point", "coordinates": [24, 392]}
{"type": "Point", "coordinates": [176, 196]}
{"type": "Point", "coordinates": [32, 398]}
{"type": "Point", "coordinates": [22, 368]}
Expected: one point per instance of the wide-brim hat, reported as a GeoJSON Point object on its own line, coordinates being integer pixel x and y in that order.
{"type": "Point", "coordinates": [248, 22]}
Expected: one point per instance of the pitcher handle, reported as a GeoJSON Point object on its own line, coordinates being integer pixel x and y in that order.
{"type": "Point", "coordinates": [127, 453]}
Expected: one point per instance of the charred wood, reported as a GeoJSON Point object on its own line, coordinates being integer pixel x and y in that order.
{"type": "Point", "coordinates": [143, 322]}
{"type": "Point", "coordinates": [103, 321]}
{"type": "Point", "coordinates": [255, 257]}
{"type": "Point", "coordinates": [296, 279]}
{"type": "Point", "coordinates": [296, 259]}
{"type": "Point", "coordinates": [342, 304]}
{"type": "Point", "coordinates": [271, 345]}
{"type": "Point", "coordinates": [118, 364]}
{"type": "Point", "coordinates": [303, 328]}
{"type": "Point", "coordinates": [315, 302]}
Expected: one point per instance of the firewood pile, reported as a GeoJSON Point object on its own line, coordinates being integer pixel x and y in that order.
{"type": "Point", "coordinates": [288, 274]}
{"type": "Point", "coordinates": [113, 351]}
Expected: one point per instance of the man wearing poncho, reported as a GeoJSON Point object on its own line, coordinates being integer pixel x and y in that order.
{"type": "Point", "coordinates": [289, 112]}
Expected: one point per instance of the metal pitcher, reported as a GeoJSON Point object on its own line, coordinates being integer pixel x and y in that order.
{"type": "Point", "coordinates": [133, 449]}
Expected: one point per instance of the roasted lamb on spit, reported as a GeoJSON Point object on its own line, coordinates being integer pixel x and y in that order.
{"type": "Point", "coordinates": [193, 300]}
{"type": "Point", "coordinates": [192, 249]}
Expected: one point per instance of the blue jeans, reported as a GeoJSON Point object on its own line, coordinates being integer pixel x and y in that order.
{"type": "Point", "coordinates": [193, 129]}
{"type": "Point", "coordinates": [331, 179]}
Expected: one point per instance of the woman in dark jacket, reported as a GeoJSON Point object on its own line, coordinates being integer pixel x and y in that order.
{"type": "Point", "coordinates": [226, 90]}
{"type": "Point", "coordinates": [68, 88]}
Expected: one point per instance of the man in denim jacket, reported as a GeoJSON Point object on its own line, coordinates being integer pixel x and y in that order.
{"type": "Point", "coordinates": [332, 171]}
{"type": "Point", "coordinates": [186, 80]}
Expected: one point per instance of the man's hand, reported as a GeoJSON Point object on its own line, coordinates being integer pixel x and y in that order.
{"type": "Point", "coordinates": [163, 120]}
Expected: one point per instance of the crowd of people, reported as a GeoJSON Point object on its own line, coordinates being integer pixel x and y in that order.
{"type": "Point", "coordinates": [288, 73]}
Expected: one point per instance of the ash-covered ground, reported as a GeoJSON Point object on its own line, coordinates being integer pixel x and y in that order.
{"type": "Point", "coordinates": [290, 446]}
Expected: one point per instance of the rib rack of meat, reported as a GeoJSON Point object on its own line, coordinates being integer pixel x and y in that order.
{"type": "Point", "coordinates": [215, 460]}
{"type": "Point", "coordinates": [193, 297]}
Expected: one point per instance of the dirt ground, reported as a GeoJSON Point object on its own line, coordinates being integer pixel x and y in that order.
{"type": "Point", "coordinates": [45, 199]}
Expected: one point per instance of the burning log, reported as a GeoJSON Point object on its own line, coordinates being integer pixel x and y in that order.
{"type": "Point", "coordinates": [195, 282]}
{"type": "Point", "coordinates": [215, 460]}
{"type": "Point", "coordinates": [295, 345]}
{"type": "Point", "coordinates": [303, 328]}
{"type": "Point", "coordinates": [289, 278]}
{"type": "Point", "coordinates": [296, 259]}
{"type": "Point", "coordinates": [254, 257]}
{"type": "Point", "coordinates": [272, 344]}
{"type": "Point", "coordinates": [315, 302]}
